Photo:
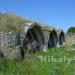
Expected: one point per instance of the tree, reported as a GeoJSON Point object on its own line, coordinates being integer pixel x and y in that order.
{"type": "Point", "coordinates": [71, 30]}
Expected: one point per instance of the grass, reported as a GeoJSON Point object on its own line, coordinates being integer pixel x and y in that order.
{"type": "Point", "coordinates": [32, 65]}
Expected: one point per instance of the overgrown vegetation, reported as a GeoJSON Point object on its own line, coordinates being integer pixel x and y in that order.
{"type": "Point", "coordinates": [9, 22]}
{"type": "Point", "coordinates": [31, 65]}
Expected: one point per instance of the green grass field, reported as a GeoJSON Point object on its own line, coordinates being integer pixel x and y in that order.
{"type": "Point", "coordinates": [32, 65]}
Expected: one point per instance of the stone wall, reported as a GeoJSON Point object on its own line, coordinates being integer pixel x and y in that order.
{"type": "Point", "coordinates": [34, 38]}
{"type": "Point", "coordinates": [9, 43]}
{"type": "Point", "coordinates": [8, 39]}
{"type": "Point", "coordinates": [70, 39]}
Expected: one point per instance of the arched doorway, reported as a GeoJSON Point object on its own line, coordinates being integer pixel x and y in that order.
{"type": "Point", "coordinates": [52, 39]}
{"type": "Point", "coordinates": [61, 38]}
{"type": "Point", "coordinates": [34, 39]}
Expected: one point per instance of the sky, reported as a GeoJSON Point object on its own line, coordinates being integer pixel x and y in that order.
{"type": "Point", "coordinates": [56, 13]}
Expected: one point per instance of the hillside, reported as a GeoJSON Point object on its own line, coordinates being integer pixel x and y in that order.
{"type": "Point", "coordinates": [10, 22]}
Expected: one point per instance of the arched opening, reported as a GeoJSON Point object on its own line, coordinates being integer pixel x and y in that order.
{"type": "Point", "coordinates": [52, 39]}
{"type": "Point", "coordinates": [61, 38]}
{"type": "Point", "coordinates": [34, 39]}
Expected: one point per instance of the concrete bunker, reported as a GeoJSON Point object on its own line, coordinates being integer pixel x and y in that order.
{"type": "Point", "coordinates": [61, 38]}
{"type": "Point", "coordinates": [34, 39]}
{"type": "Point", "coordinates": [52, 39]}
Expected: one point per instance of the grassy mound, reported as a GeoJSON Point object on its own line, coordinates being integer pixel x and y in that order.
{"type": "Point", "coordinates": [10, 22]}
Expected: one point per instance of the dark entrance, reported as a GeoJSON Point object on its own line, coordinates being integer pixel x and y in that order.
{"type": "Point", "coordinates": [34, 39]}
{"type": "Point", "coordinates": [52, 39]}
{"type": "Point", "coordinates": [61, 38]}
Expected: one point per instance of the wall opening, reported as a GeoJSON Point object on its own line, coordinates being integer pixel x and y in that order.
{"type": "Point", "coordinates": [61, 38]}
{"type": "Point", "coordinates": [34, 39]}
{"type": "Point", "coordinates": [52, 39]}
